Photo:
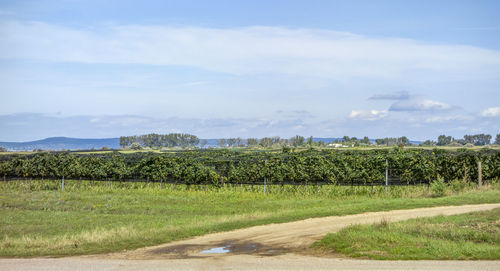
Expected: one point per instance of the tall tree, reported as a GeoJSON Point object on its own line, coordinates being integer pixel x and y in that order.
{"type": "Point", "coordinates": [231, 142]}
{"type": "Point", "coordinates": [404, 140]}
{"type": "Point", "coordinates": [478, 140]}
{"type": "Point", "coordinates": [444, 140]}
{"type": "Point", "coordinates": [222, 142]}
{"type": "Point", "coordinates": [365, 140]}
{"type": "Point", "coordinates": [297, 141]}
{"type": "Point", "coordinates": [252, 142]}
{"type": "Point", "coordinates": [266, 142]}
{"type": "Point", "coordinates": [310, 141]}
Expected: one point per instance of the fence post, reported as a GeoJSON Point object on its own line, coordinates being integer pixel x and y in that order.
{"type": "Point", "coordinates": [62, 183]}
{"type": "Point", "coordinates": [265, 185]}
{"type": "Point", "coordinates": [479, 174]}
{"type": "Point", "coordinates": [265, 181]}
{"type": "Point", "coordinates": [386, 175]}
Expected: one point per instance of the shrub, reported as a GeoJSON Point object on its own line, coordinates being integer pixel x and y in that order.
{"type": "Point", "coordinates": [458, 185]}
{"type": "Point", "coordinates": [438, 187]}
{"type": "Point", "coordinates": [135, 146]}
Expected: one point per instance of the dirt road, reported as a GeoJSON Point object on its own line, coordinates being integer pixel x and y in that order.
{"type": "Point", "coordinates": [283, 238]}
{"type": "Point", "coordinates": [241, 262]}
{"type": "Point", "coordinates": [268, 247]}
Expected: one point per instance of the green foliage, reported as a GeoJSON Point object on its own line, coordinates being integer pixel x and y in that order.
{"type": "Point", "coordinates": [391, 141]}
{"type": "Point", "coordinates": [157, 140]}
{"type": "Point", "coordinates": [135, 146]}
{"type": "Point", "coordinates": [252, 142]}
{"type": "Point", "coordinates": [478, 140]}
{"type": "Point", "coordinates": [298, 141]}
{"type": "Point", "coordinates": [411, 166]}
{"type": "Point", "coordinates": [458, 185]}
{"type": "Point", "coordinates": [444, 140]}
{"type": "Point", "coordinates": [266, 142]}
{"type": "Point", "coordinates": [439, 187]}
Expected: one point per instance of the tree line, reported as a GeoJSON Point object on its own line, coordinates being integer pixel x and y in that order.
{"type": "Point", "coordinates": [300, 141]}
{"type": "Point", "coordinates": [472, 140]}
{"type": "Point", "coordinates": [159, 140]}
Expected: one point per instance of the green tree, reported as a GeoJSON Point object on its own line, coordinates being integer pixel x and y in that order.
{"type": "Point", "coordinates": [135, 146]}
{"type": "Point", "coordinates": [222, 142]}
{"type": "Point", "coordinates": [297, 141]}
{"type": "Point", "coordinates": [365, 140]}
{"type": "Point", "coordinates": [404, 140]}
{"type": "Point", "coordinates": [252, 142]}
{"type": "Point", "coordinates": [444, 140]}
{"type": "Point", "coordinates": [428, 143]}
{"type": "Point", "coordinates": [266, 142]}
{"type": "Point", "coordinates": [5, 168]}
{"type": "Point", "coordinates": [478, 140]}
{"type": "Point", "coordinates": [310, 141]}
{"type": "Point", "coordinates": [231, 142]}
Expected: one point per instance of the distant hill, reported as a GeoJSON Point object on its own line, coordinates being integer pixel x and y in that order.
{"type": "Point", "coordinates": [59, 143]}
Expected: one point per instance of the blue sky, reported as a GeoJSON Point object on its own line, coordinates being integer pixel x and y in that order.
{"type": "Point", "coordinates": [249, 68]}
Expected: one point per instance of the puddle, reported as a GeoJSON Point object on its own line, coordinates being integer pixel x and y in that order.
{"type": "Point", "coordinates": [272, 250]}
{"type": "Point", "coordinates": [218, 250]}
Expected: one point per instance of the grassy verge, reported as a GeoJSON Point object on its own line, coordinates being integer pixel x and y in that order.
{"type": "Point", "coordinates": [473, 236]}
{"type": "Point", "coordinates": [39, 219]}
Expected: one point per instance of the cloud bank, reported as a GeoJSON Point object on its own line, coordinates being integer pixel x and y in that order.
{"type": "Point", "coordinates": [247, 50]}
{"type": "Point", "coordinates": [329, 73]}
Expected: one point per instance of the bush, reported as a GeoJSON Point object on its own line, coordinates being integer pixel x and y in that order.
{"type": "Point", "coordinates": [438, 187]}
{"type": "Point", "coordinates": [458, 185]}
{"type": "Point", "coordinates": [135, 146]}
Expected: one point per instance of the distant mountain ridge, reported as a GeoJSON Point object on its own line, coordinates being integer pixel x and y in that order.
{"type": "Point", "coordinates": [59, 143]}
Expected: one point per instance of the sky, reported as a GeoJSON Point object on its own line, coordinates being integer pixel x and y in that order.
{"type": "Point", "coordinates": [96, 69]}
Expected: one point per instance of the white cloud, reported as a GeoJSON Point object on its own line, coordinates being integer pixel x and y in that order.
{"type": "Point", "coordinates": [491, 112]}
{"type": "Point", "coordinates": [399, 95]}
{"type": "Point", "coordinates": [441, 119]}
{"type": "Point", "coordinates": [420, 105]}
{"type": "Point", "coordinates": [368, 115]}
{"type": "Point", "coordinates": [248, 50]}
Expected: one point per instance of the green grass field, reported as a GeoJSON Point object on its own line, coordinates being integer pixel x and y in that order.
{"type": "Point", "coordinates": [40, 219]}
{"type": "Point", "coordinates": [472, 236]}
